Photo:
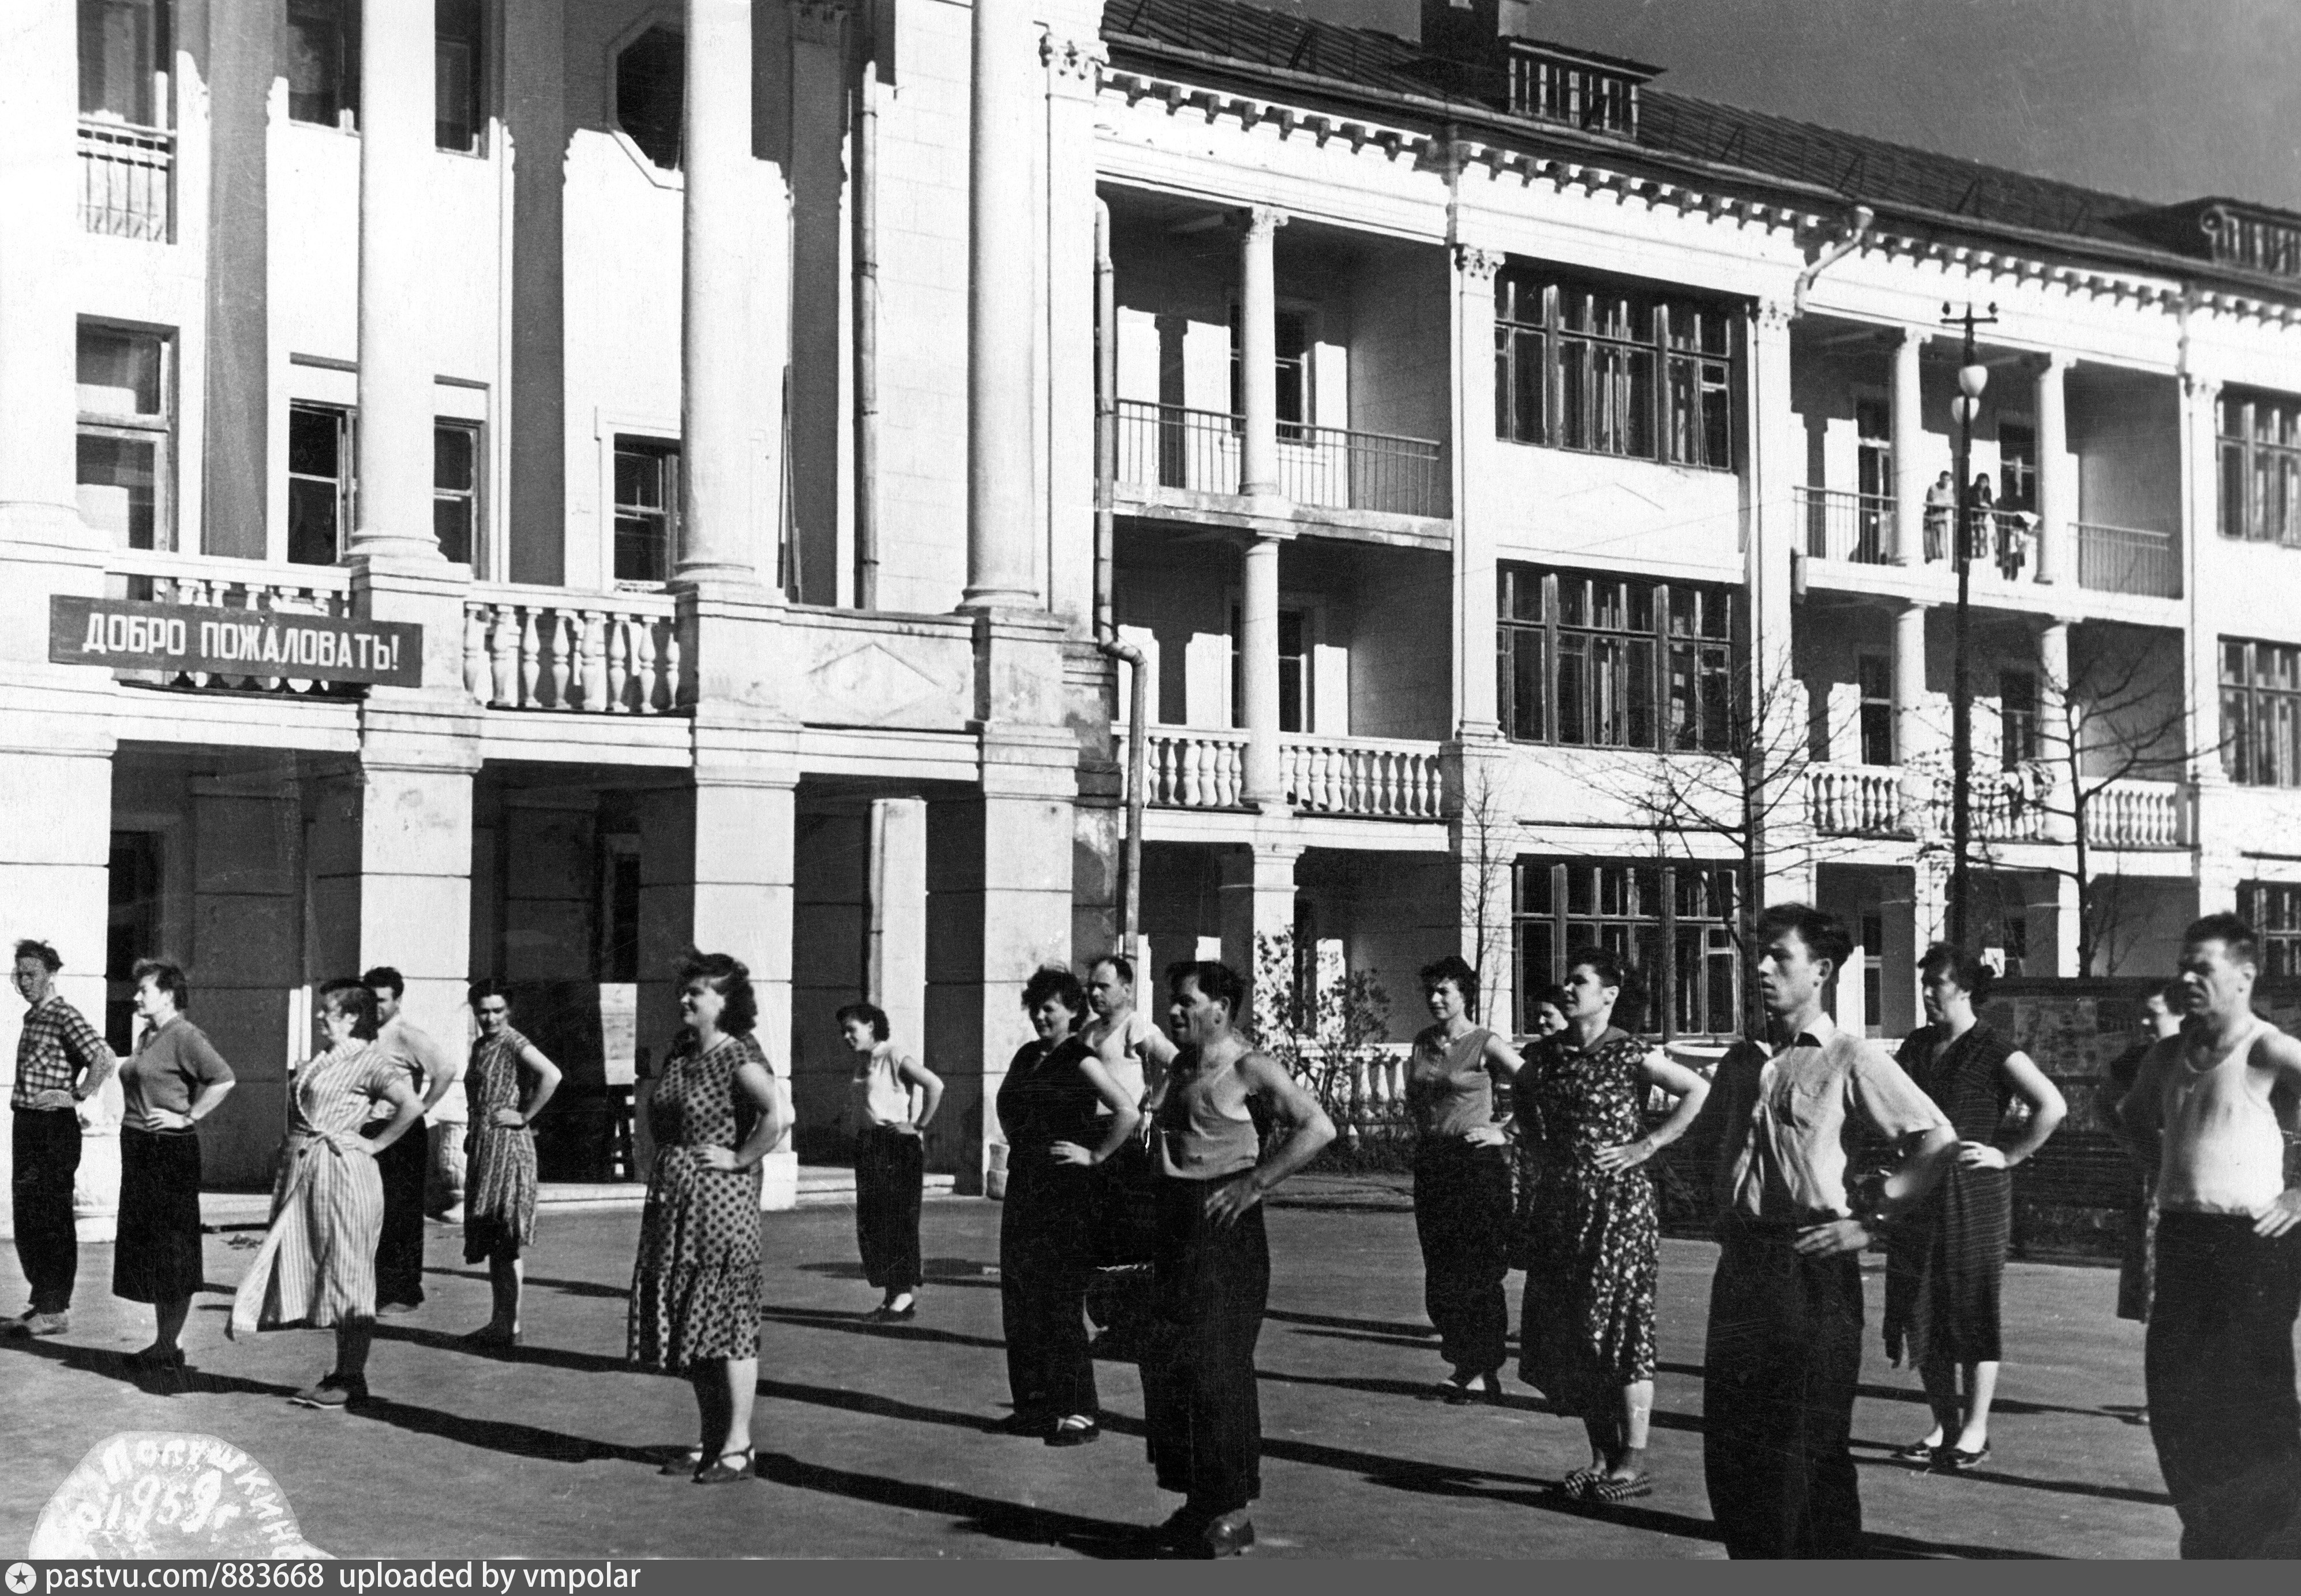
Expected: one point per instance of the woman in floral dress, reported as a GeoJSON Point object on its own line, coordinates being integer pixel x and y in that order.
{"type": "Point", "coordinates": [715, 1113]}
{"type": "Point", "coordinates": [499, 1159]}
{"type": "Point", "coordinates": [1593, 1244]}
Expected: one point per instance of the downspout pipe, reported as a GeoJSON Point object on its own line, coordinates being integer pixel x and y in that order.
{"type": "Point", "coordinates": [1857, 229]}
{"type": "Point", "coordinates": [866, 200]}
{"type": "Point", "coordinates": [1107, 640]}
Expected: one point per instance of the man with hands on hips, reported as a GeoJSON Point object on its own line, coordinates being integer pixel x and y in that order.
{"type": "Point", "coordinates": [61, 1062]}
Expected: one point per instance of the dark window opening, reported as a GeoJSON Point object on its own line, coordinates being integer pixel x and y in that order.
{"type": "Point", "coordinates": [2261, 468]}
{"type": "Point", "coordinates": [651, 94]}
{"type": "Point", "coordinates": [458, 60]}
{"type": "Point", "coordinates": [646, 508]}
{"type": "Point", "coordinates": [456, 490]}
{"type": "Point", "coordinates": [1293, 670]}
{"type": "Point", "coordinates": [1874, 673]}
{"type": "Point", "coordinates": [2017, 715]}
{"type": "Point", "coordinates": [2260, 712]}
{"type": "Point", "coordinates": [131, 929]}
{"type": "Point", "coordinates": [320, 488]}
{"type": "Point", "coordinates": [321, 61]}
{"type": "Point", "coordinates": [1606, 662]}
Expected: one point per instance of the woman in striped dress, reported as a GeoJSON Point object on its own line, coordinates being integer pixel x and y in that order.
{"type": "Point", "coordinates": [317, 1264]}
{"type": "Point", "coordinates": [715, 1113]}
{"type": "Point", "coordinates": [500, 1160]}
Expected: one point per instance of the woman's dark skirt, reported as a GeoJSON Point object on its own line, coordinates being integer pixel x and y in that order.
{"type": "Point", "coordinates": [156, 1257]}
{"type": "Point", "coordinates": [1943, 1265]}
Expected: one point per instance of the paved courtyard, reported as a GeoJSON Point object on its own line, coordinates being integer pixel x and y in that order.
{"type": "Point", "coordinates": [878, 1441]}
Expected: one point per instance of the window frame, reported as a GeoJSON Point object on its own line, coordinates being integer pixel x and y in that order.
{"type": "Point", "coordinates": [1875, 719]}
{"type": "Point", "coordinates": [343, 17]}
{"type": "Point", "coordinates": [157, 429]}
{"type": "Point", "coordinates": [474, 497]}
{"type": "Point", "coordinates": [160, 87]}
{"type": "Point", "coordinates": [346, 480]}
{"type": "Point", "coordinates": [2261, 712]}
{"type": "Point", "coordinates": [2273, 910]}
{"type": "Point", "coordinates": [2020, 740]}
{"type": "Point", "coordinates": [1543, 896]}
{"type": "Point", "coordinates": [667, 452]}
{"type": "Point", "coordinates": [483, 64]}
{"type": "Point", "coordinates": [1302, 699]}
{"type": "Point", "coordinates": [666, 19]}
{"type": "Point", "coordinates": [1619, 654]}
{"type": "Point", "coordinates": [1596, 362]}
{"type": "Point", "coordinates": [2243, 455]}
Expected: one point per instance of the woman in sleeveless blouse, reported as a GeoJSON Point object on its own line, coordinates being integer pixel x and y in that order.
{"type": "Point", "coordinates": [1211, 1270]}
{"type": "Point", "coordinates": [1946, 1257]}
{"type": "Point", "coordinates": [1063, 1117]}
{"type": "Point", "coordinates": [1593, 1244]}
{"type": "Point", "coordinates": [890, 1128]}
{"type": "Point", "coordinates": [500, 1157]}
{"type": "Point", "coordinates": [1461, 1180]}
{"type": "Point", "coordinates": [317, 1263]}
{"type": "Point", "coordinates": [715, 1113]}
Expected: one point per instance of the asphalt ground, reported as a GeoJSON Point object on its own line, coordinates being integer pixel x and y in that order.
{"type": "Point", "coordinates": [879, 1441]}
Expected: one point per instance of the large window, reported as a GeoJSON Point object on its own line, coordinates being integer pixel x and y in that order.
{"type": "Point", "coordinates": [1561, 89]}
{"type": "Point", "coordinates": [1290, 336]}
{"type": "Point", "coordinates": [1293, 672]}
{"type": "Point", "coordinates": [1605, 662]}
{"type": "Point", "coordinates": [1673, 924]}
{"type": "Point", "coordinates": [2261, 468]}
{"type": "Point", "coordinates": [324, 488]}
{"type": "Point", "coordinates": [2260, 712]}
{"type": "Point", "coordinates": [646, 508]}
{"type": "Point", "coordinates": [458, 60]}
{"type": "Point", "coordinates": [322, 64]}
{"type": "Point", "coordinates": [1873, 674]}
{"type": "Point", "coordinates": [2017, 716]}
{"type": "Point", "coordinates": [455, 489]}
{"type": "Point", "coordinates": [1584, 365]}
{"type": "Point", "coordinates": [127, 421]}
{"type": "Point", "coordinates": [123, 62]}
{"type": "Point", "coordinates": [2274, 910]}
{"type": "Point", "coordinates": [651, 94]}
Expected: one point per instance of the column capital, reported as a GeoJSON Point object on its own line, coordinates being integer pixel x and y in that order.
{"type": "Point", "coordinates": [1260, 223]}
{"type": "Point", "coordinates": [1773, 316]}
{"type": "Point", "coordinates": [2045, 362]}
{"type": "Point", "coordinates": [1477, 265]}
{"type": "Point", "coordinates": [1904, 337]}
{"type": "Point", "coordinates": [1074, 63]}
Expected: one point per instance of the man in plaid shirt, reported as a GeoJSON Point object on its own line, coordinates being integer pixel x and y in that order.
{"type": "Point", "coordinates": [60, 1061]}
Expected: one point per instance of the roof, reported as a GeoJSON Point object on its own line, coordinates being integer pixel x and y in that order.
{"type": "Point", "coordinates": [1360, 62]}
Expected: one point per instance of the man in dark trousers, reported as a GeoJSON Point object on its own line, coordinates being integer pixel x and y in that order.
{"type": "Point", "coordinates": [1784, 1340]}
{"type": "Point", "coordinates": [2209, 1113]}
{"type": "Point", "coordinates": [60, 1063]}
{"type": "Point", "coordinates": [400, 1250]}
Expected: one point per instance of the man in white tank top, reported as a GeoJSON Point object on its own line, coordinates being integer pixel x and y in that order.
{"type": "Point", "coordinates": [2209, 1110]}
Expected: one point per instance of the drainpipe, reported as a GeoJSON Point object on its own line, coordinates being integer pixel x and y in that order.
{"type": "Point", "coordinates": [1107, 640]}
{"type": "Point", "coordinates": [865, 199]}
{"type": "Point", "coordinates": [1857, 228]}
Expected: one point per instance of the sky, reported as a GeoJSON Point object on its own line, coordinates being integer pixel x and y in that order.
{"type": "Point", "coordinates": [2161, 100]}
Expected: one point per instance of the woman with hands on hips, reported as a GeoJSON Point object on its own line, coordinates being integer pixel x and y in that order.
{"type": "Point", "coordinates": [1594, 1243]}
{"type": "Point", "coordinates": [499, 1156]}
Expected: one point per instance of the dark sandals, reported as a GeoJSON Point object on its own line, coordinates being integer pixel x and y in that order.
{"type": "Point", "coordinates": [1596, 1485]}
{"type": "Point", "coordinates": [723, 1472]}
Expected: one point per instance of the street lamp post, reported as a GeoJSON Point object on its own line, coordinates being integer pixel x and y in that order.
{"type": "Point", "coordinates": [1972, 377]}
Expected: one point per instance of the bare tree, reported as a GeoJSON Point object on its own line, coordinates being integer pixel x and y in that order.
{"type": "Point", "coordinates": [1489, 847]}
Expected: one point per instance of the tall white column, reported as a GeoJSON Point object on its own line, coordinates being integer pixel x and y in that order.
{"type": "Point", "coordinates": [2219, 861]}
{"type": "Point", "coordinates": [2057, 502]}
{"type": "Point", "coordinates": [1770, 532]}
{"type": "Point", "coordinates": [1476, 715]}
{"type": "Point", "coordinates": [40, 200]}
{"type": "Point", "coordinates": [1009, 94]}
{"type": "Point", "coordinates": [1255, 904]}
{"type": "Point", "coordinates": [1909, 469]}
{"type": "Point", "coordinates": [1258, 661]}
{"type": "Point", "coordinates": [1258, 352]}
{"type": "Point", "coordinates": [721, 392]}
{"type": "Point", "coordinates": [1912, 737]}
{"type": "Point", "coordinates": [396, 270]}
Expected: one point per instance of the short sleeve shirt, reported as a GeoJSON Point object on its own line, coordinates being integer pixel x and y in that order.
{"type": "Point", "coordinates": [169, 1066]}
{"type": "Point", "coordinates": [1789, 1118]}
{"type": "Point", "coordinates": [56, 1043]}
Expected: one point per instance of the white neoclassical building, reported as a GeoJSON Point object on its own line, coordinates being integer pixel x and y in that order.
{"type": "Point", "coordinates": [525, 487]}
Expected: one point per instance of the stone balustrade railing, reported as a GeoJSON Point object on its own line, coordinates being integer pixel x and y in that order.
{"type": "Point", "coordinates": [1854, 800]}
{"type": "Point", "coordinates": [541, 648]}
{"type": "Point", "coordinates": [1191, 768]}
{"type": "Point", "coordinates": [162, 576]}
{"type": "Point", "coordinates": [2138, 815]}
{"type": "Point", "coordinates": [1376, 777]}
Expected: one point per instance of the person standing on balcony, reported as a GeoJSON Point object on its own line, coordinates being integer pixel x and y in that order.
{"type": "Point", "coordinates": [2161, 1017]}
{"type": "Point", "coordinates": [1980, 518]}
{"type": "Point", "coordinates": [1211, 1274]}
{"type": "Point", "coordinates": [431, 1069]}
{"type": "Point", "coordinates": [499, 1180]}
{"type": "Point", "coordinates": [890, 1156]}
{"type": "Point", "coordinates": [61, 1062]}
{"type": "Point", "coordinates": [173, 1079]}
{"type": "Point", "coordinates": [2210, 1111]}
{"type": "Point", "coordinates": [317, 1263]}
{"type": "Point", "coordinates": [1784, 1337]}
{"type": "Point", "coordinates": [715, 1112]}
{"type": "Point", "coordinates": [1586, 1334]}
{"type": "Point", "coordinates": [1944, 1259]}
{"type": "Point", "coordinates": [1941, 508]}
{"type": "Point", "coordinates": [1461, 1180]}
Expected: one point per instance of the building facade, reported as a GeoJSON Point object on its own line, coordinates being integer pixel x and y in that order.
{"type": "Point", "coordinates": [1513, 478]}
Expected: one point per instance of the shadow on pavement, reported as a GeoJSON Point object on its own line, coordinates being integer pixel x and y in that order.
{"type": "Point", "coordinates": [1383, 1327]}
{"type": "Point", "coordinates": [934, 1272]}
{"type": "Point", "coordinates": [572, 1288]}
{"type": "Point", "coordinates": [980, 1515]}
{"type": "Point", "coordinates": [855, 1324]}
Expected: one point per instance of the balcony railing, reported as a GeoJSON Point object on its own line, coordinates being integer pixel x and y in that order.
{"type": "Point", "coordinates": [529, 649]}
{"type": "Point", "coordinates": [1361, 775]}
{"type": "Point", "coordinates": [163, 577]}
{"type": "Point", "coordinates": [2138, 815]}
{"type": "Point", "coordinates": [1841, 525]}
{"type": "Point", "coordinates": [1192, 769]}
{"type": "Point", "coordinates": [1169, 446]}
{"type": "Point", "coordinates": [1854, 801]}
{"type": "Point", "coordinates": [126, 179]}
{"type": "Point", "coordinates": [2120, 559]}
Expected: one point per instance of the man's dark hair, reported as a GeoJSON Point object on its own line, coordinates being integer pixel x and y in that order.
{"type": "Point", "coordinates": [1972, 977]}
{"type": "Point", "coordinates": [1052, 980]}
{"type": "Point", "coordinates": [870, 1013]}
{"type": "Point", "coordinates": [1216, 980]}
{"type": "Point", "coordinates": [731, 978]}
{"type": "Point", "coordinates": [165, 976]}
{"type": "Point", "coordinates": [389, 979]}
{"type": "Point", "coordinates": [2232, 932]}
{"type": "Point", "coordinates": [1825, 935]}
{"type": "Point", "coordinates": [345, 995]}
{"type": "Point", "coordinates": [1457, 969]}
{"type": "Point", "coordinates": [50, 959]}
{"type": "Point", "coordinates": [1121, 965]}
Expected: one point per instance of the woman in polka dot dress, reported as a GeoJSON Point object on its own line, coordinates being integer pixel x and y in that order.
{"type": "Point", "coordinates": [715, 1113]}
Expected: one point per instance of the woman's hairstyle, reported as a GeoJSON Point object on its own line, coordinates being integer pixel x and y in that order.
{"type": "Point", "coordinates": [1216, 980]}
{"type": "Point", "coordinates": [352, 999]}
{"type": "Point", "coordinates": [164, 977]}
{"type": "Point", "coordinates": [870, 1013]}
{"type": "Point", "coordinates": [1601, 963]}
{"type": "Point", "coordinates": [487, 987]}
{"type": "Point", "coordinates": [1972, 977]}
{"type": "Point", "coordinates": [1052, 980]}
{"type": "Point", "coordinates": [731, 978]}
{"type": "Point", "coordinates": [1457, 969]}
{"type": "Point", "coordinates": [1120, 966]}
{"type": "Point", "coordinates": [1553, 994]}
{"type": "Point", "coordinates": [33, 947]}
